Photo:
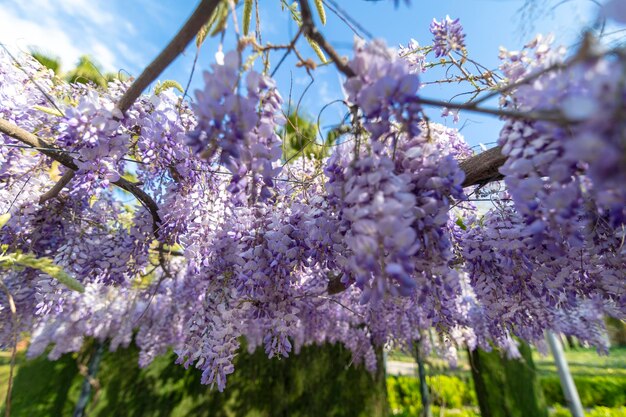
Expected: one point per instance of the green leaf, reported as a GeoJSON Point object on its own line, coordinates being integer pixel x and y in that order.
{"type": "Point", "coordinates": [201, 35]}
{"type": "Point", "coordinates": [247, 16]}
{"type": "Point", "coordinates": [4, 219]}
{"type": "Point", "coordinates": [47, 266]}
{"type": "Point", "coordinates": [48, 110]}
{"type": "Point", "coordinates": [320, 10]}
{"type": "Point", "coordinates": [130, 177]}
{"type": "Point", "coordinates": [459, 222]}
{"type": "Point", "coordinates": [87, 71]}
{"type": "Point", "coordinates": [50, 62]}
{"type": "Point", "coordinates": [204, 31]}
{"type": "Point", "coordinates": [221, 18]}
{"type": "Point", "coordinates": [318, 50]}
{"type": "Point", "coordinates": [166, 85]}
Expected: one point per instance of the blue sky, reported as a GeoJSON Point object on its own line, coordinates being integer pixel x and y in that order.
{"type": "Point", "coordinates": [127, 35]}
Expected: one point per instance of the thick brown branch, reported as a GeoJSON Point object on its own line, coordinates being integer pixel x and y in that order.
{"type": "Point", "coordinates": [185, 35]}
{"type": "Point", "coordinates": [144, 198]}
{"type": "Point", "coordinates": [65, 159]}
{"type": "Point", "coordinates": [483, 168]}
{"type": "Point", "coordinates": [41, 145]}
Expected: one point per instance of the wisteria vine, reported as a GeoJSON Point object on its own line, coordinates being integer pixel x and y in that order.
{"type": "Point", "coordinates": [373, 245]}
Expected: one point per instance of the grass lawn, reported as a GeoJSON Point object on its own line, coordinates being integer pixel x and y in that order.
{"type": "Point", "coordinates": [586, 362]}
{"type": "Point", "coordinates": [5, 361]}
{"type": "Point", "coordinates": [5, 367]}
{"type": "Point", "coordinates": [582, 362]}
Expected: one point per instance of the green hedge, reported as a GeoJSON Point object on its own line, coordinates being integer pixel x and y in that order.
{"type": "Point", "coordinates": [457, 392]}
{"type": "Point", "coordinates": [446, 391]}
{"type": "Point", "coordinates": [308, 384]}
{"type": "Point", "coordinates": [318, 382]}
{"type": "Point", "coordinates": [607, 391]}
{"type": "Point", "coordinates": [446, 412]}
{"type": "Point", "coordinates": [560, 411]}
{"type": "Point", "coordinates": [607, 412]}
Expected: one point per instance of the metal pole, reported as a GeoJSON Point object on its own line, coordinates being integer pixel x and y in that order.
{"type": "Point", "coordinates": [567, 382]}
{"type": "Point", "coordinates": [85, 392]}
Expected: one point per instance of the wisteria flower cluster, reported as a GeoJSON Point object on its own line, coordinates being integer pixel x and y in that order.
{"type": "Point", "coordinates": [504, 262]}
{"type": "Point", "coordinates": [448, 36]}
{"type": "Point", "coordinates": [556, 173]}
{"type": "Point", "coordinates": [413, 53]}
{"type": "Point", "coordinates": [230, 125]}
{"type": "Point", "coordinates": [380, 236]}
{"type": "Point", "coordinates": [92, 130]}
{"type": "Point", "coordinates": [384, 88]}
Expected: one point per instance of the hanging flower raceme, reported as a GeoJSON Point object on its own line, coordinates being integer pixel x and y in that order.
{"type": "Point", "coordinates": [32, 107]}
{"type": "Point", "coordinates": [599, 111]}
{"type": "Point", "coordinates": [429, 160]}
{"type": "Point", "coordinates": [378, 207]}
{"type": "Point", "coordinates": [92, 130]}
{"type": "Point", "coordinates": [29, 105]}
{"type": "Point", "coordinates": [545, 187]}
{"type": "Point", "coordinates": [158, 124]}
{"type": "Point", "coordinates": [548, 164]}
{"type": "Point", "coordinates": [101, 312]}
{"type": "Point", "coordinates": [448, 35]}
{"type": "Point", "coordinates": [522, 287]}
{"type": "Point", "coordinates": [384, 88]}
{"type": "Point", "coordinates": [393, 209]}
{"type": "Point", "coordinates": [414, 55]}
{"type": "Point", "coordinates": [239, 130]}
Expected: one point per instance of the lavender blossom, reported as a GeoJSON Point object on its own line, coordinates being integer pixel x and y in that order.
{"type": "Point", "coordinates": [448, 36]}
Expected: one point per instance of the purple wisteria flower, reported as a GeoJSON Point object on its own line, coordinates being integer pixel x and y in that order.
{"type": "Point", "coordinates": [384, 88]}
{"type": "Point", "coordinates": [240, 130]}
{"type": "Point", "coordinates": [448, 35]}
{"type": "Point", "coordinates": [521, 286]}
{"type": "Point", "coordinates": [414, 55]}
{"type": "Point", "coordinates": [553, 172]}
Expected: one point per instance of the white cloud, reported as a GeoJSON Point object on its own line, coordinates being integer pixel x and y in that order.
{"type": "Point", "coordinates": [21, 34]}
{"type": "Point", "coordinates": [326, 95]}
{"type": "Point", "coordinates": [302, 81]}
{"type": "Point", "coordinates": [103, 54]}
{"type": "Point", "coordinates": [71, 28]}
